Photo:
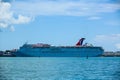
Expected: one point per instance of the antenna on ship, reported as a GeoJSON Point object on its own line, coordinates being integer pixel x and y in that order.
{"type": "Point", "coordinates": [80, 42]}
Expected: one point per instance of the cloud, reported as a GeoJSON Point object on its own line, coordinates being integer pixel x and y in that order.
{"type": "Point", "coordinates": [108, 42]}
{"type": "Point", "coordinates": [7, 17]}
{"type": "Point", "coordinates": [3, 25]}
{"type": "Point", "coordinates": [118, 45]}
{"type": "Point", "coordinates": [12, 28]}
{"type": "Point", "coordinates": [21, 19]}
{"type": "Point", "coordinates": [107, 38]}
{"type": "Point", "coordinates": [14, 11]}
{"type": "Point", "coordinates": [113, 23]}
{"type": "Point", "coordinates": [94, 18]}
{"type": "Point", "coordinates": [67, 7]}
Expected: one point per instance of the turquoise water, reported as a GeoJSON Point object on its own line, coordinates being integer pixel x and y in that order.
{"type": "Point", "coordinates": [37, 68]}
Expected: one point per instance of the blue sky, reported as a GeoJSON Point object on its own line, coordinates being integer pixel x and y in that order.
{"type": "Point", "coordinates": [60, 22]}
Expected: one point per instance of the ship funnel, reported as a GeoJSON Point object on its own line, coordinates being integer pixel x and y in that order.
{"type": "Point", "coordinates": [80, 42]}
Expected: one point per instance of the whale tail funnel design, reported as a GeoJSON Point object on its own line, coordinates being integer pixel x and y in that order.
{"type": "Point", "coordinates": [80, 42]}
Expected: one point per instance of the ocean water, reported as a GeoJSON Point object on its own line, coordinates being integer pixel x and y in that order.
{"type": "Point", "coordinates": [62, 68]}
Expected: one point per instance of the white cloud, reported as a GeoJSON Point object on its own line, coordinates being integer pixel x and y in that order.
{"type": "Point", "coordinates": [113, 23]}
{"type": "Point", "coordinates": [70, 8]}
{"type": "Point", "coordinates": [108, 38]}
{"type": "Point", "coordinates": [21, 19]}
{"type": "Point", "coordinates": [3, 25]}
{"type": "Point", "coordinates": [7, 17]}
{"type": "Point", "coordinates": [94, 18]}
{"type": "Point", "coordinates": [12, 28]}
{"type": "Point", "coordinates": [108, 42]}
{"type": "Point", "coordinates": [91, 9]}
{"type": "Point", "coordinates": [118, 45]}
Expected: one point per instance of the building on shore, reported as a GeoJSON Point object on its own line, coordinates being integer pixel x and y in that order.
{"type": "Point", "coordinates": [8, 53]}
{"type": "Point", "coordinates": [111, 54]}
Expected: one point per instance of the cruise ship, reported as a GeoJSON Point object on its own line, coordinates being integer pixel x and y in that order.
{"type": "Point", "coordinates": [46, 50]}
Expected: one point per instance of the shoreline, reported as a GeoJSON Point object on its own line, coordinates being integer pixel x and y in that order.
{"type": "Point", "coordinates": [111, 54]}
{"type": "Point", "coordinates": [10, 53]}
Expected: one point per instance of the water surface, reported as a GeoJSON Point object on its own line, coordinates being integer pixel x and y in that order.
{"type": "Point", "coordinates": [51, 68]}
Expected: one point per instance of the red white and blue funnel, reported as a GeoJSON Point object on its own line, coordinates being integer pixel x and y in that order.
{"type": "Point", "coordinates": [80, 42]}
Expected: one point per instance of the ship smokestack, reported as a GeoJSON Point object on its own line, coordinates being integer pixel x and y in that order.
{"type": "Point", "coordinates": [80, 42]}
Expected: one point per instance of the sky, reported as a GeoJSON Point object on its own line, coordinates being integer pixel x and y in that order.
{"type": "Point", "coordinates": [60, 22]}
